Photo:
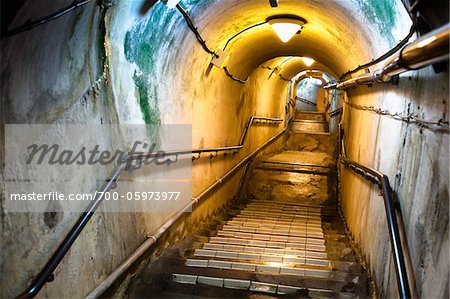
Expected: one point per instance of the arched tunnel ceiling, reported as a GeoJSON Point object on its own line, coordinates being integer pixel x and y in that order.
{"type": "Point", "coordinates": [292, 65]}
{"type": "Point", "coordinates": [336, 33]}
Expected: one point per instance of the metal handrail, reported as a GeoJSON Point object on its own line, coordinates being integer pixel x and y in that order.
{"type": "Point", "coordinates": [382, 181]}
{"type": "Point", "coordinates": [46, 273]}
{"type": "Point", "coordinates": [336, 112]}
{"type": "Point", "coordinates": [28, 25]}
{"type": "Point", "coordinates": [305, 101]}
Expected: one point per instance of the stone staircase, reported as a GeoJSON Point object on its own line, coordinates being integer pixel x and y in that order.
{"type": "Point", "coordinates": [286, 240]}
{"type": "Point", "coordinates": [308, 122]}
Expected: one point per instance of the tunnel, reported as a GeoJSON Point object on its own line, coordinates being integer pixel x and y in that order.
{"type": "Point", "coordinates": [307, 140]}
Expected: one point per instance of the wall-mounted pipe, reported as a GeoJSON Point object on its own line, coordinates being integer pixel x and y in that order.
{"type": "Point", "coordinates": [429, 49]}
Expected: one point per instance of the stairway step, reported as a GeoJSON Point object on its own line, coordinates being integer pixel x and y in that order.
{"type": "Point", "coordinates": [293, 203]}
{"type": "Point", "coordinates": [251, 285]}
{"type": "Point", "coordinates": [336, 270]}
{"type": "Point", "coordinates": [275, 231]}
{"type": "Point", "coordinates": [262, 257]}
{"type": "Point", "coordinates": [287, 219]}
{"type": "Point", "coordinates": [285, 167]}
{"type": "Point", "coordinates": [270, 236]}
{"type": "Point", "coordinates": [310, 244]}
{"type": "Point", "coordinates": [299, 219]}
{"type": "Point", "coordinates": [312, 142]}
{"type": "Point", "coordinates": [310, 217]}
{"type": "Point", "coordinates": [274, 268]}
{"type": "Point", "coordinates": [319, 209]}
{"type": "Point", "coordinates": [265, 250]}
{"type": "Point", "coordinates": [283, 208]}
{"type": "Point", "coordinates": [274, 223]}
{"type": "Point", "coordinates": [281, 260]}
{"type": "Point", "coordinates": [287, 207]}
{"type": "Point", "coordinates": [274, 209]}
{"type": "Point", "coordinates": [300, 126]}
{"type": "Point", "coordinates": [275, 214]}
{"type": "Point", "coordinates": [310, 115]}
{"type": "Point", "coordinates": [307, 158]}
{"type": "Point", "coordinates": [302, 282]}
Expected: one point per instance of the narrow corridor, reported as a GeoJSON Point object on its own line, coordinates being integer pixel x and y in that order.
{"type": "Point", "coordinates": [286, 238]}
{"type": "Point", "coordinates": [224, 149]}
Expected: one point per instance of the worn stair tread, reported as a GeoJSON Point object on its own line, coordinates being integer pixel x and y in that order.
{"type": "Point", "coordinates": [282, 214]}
{"type": "Point", "coordinates": [309, 133]}
{"type": "Point", "coordinates": [203, 291]}
{"type": "Point", "coordinates": [253, 257]}
{"type": "Point", "coordinates": [274, 223]}
{"type": "Point", "coordinates": [303, 126]}
{"type": "Point", "coordinates": [293, 204]}
{"type": "Point", "coordinates": [316, 159]}
{"type": "Point", "coordinates": [252, 285]}
{"type": "Point", "coordinates": [279, 207]}
{"type": "Point", "coordinates": [337, 277]}
{"type": "Point", "coordinates": [309, 244]}
{"type": "Point", "coordinates": [265, 250]}
{"type": "Point", "coordinates": [312, 142]}
{"type": "Point", "coordinates": [316, 121]}
{"type": "Point", "coordinates": [310, 115]}
{"type": "Point", "coordinates": [275, 268]}
{"type": "Point", "coordinates": [268, 236]}
{"type": "Point", "coordinates": [281, 250]}
{"type": "Point", "coordinates": [297, 232]}
{"type": "Point", "coordinates": [272, 257]}
{"type": "Point", "coordinates": [299, 219]}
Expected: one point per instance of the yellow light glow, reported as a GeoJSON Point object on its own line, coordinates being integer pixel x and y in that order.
{"type": "Point", "coordinates": [286, 28]}
{"type": "Point", "coordinates": [308, 61]}
{"type": "Point", "coordinates": [426, 41]}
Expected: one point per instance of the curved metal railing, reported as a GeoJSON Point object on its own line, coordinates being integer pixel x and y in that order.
{"type": "Point", "coordinates": [382, 181]}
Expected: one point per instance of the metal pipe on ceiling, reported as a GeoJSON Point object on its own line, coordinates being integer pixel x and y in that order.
{"type": "Point", "coordinates": [427, 50]}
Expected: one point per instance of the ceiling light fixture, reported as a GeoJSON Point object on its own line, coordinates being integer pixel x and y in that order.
{"type": "Point", "coordinates": [286, 26]}
{"type": "Point", "coordinates": [308, 61]}
{"type": "Point", "coordinates": [273, 3]}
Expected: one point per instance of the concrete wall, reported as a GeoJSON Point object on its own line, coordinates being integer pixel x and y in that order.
{"type": "Point", "coordinates": [47, 75]}
{"type": "Point", "coordinates": [308, 91]}
{"type": "Point", "coordinates": [416, 161]}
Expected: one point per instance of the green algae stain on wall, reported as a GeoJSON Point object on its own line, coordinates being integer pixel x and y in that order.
{"type": "Point", "coordinates": [381, 13]}
{"type": "Point", "coordinates": [150, 112]}
{"type": "Point", "coordinates": [150, 44]}
{"type": "Point", "coordinates": [141, 46]}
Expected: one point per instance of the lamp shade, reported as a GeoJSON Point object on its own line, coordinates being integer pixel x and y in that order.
{"type": "Point", "coordinates": [286, 28]}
